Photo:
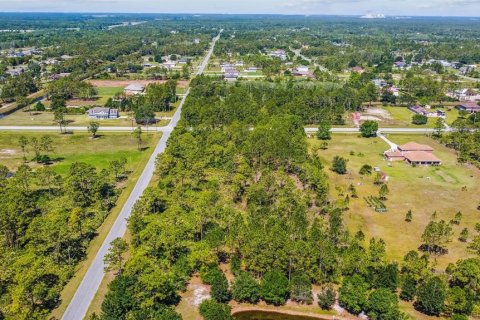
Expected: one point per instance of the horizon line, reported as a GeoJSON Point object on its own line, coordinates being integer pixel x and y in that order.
{"type": "Point", "coordinates": [243, 14]}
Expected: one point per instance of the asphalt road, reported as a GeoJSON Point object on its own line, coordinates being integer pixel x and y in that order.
{"type": "Point", "coordinates": [85, 293]}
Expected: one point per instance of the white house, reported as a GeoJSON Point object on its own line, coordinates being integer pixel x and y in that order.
{"type": "Point", "coordinates": [134, 89]}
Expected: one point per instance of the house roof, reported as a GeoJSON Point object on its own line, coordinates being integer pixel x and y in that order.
{"type": "Point", "coordinates": [470, 105]}
{"type": "Point", "coordinates": [394, 154]}
{"type": "Point", "coordinates": [135, 87]}
{"type": "Point", "coordinates": [421, 156]}
{"type": "Point", "coordinates": [413, 146]}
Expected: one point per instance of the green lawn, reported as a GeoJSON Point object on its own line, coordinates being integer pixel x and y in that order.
{"type": "Point", "coordinates": [109, 91]}
{"type": "Point", "coordinates": [445, 189]}
{"type": "Point", "coordinates": [78, 147]}
{"type": "Point", "coordinates": [397, 117]}
{"type": "Point", "coordinates": [25, 118]}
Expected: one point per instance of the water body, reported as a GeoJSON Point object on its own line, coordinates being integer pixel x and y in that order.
{"type": "Point", "coordinates": [266, 315]}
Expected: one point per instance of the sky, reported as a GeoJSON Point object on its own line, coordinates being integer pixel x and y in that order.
{"type": "Point", "coordinates": [313, 7]}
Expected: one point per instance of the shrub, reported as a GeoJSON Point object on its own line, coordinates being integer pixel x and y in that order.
{"type": "Point", "coordinates": [339, 165]}
{"type": "Point", "coordinates": [245, 288]}
{"type": "Point", "coordinates": [326, 298]}
{"type": "Point", "coordinates": [274, 288]}
{"type": "Point", "coordinates": [366, 170]}
{"type": "Point", "coordinates": [419, 119]}
{"type": "Point", "coordinates": [369, 128]}
{"type": "Point", "coordinates": [213, 310]}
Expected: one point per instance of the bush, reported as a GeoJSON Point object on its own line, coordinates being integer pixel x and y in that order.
{"type": "Point", "coordinates": [419, 119]}
{"type": "Point", "coordinates": [326, 298]}
{"type": "Point", "coordinates": [220, 291]}
{"type": "Point", "coordinates": [274, 288]}
{"type": "Point", "coordinates": [369, 129]}
{"type": "Point", "coordinates": [213, 310]}
{"type": "Point", "coordinates": [245, 288]}
{"type": "Point", "coordinates": [366, 170]}
{"type": "Point", "coordinates": [39, 106]}
{"type": "Point", "coordinates": [339, 165]}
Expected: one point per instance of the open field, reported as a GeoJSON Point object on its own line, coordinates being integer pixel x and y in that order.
{"type": "Point", "coordinates": [446, 189]}
{"type": "Point", "coordinates": [25, 118]}
{"type": "Point", "coordinates": [78, 147]}
{"type": "Point", "coordinates": [393, 117]}
{"type": "Point", "coordinates": [125, 83]}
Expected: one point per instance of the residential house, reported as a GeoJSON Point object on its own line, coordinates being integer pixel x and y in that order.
{"type": "Point", "coordinates": [470, 106]}
{"type": "Point", "coordinates": [184, 60]}
{"type": "Point", "coordinates": [102, 113]}
{"type": "Point", "coordinates": [301, 71]}
{"type": "Point", "coordinates": [169, 65]}
{"type": "Point", "coordinates": [466, 95]}
{"type": "Point", "coordinates": [394, 90]}
{"type": "Point", "coordinates": [134, 89]}
{"type": "Point", "coordinates": [399, 65]}
{"type": "Point", "coordinates": [251, 69]}
{"type": "Point", "coordinates": [413, 153]}
{"type": "Point", "coordinates": [359, 70]}
{"type": "Point", "coordinates": [231, 75]}
{"type": "Point", "coordinates": [427, 112]}
{"type": "Point", "coordinates": [281, 54]}
{"type": "Point", "coordinates": [379, 83]}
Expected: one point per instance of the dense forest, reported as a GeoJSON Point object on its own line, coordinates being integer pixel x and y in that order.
{"type": "Point", "coordinates": [258, 201]}
{"type": "Point", "coordinates": [46, 223]}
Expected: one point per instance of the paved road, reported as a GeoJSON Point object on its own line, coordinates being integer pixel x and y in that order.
{"type": "Point", "coordinates": [384, 130]}
{"type": "Point", "coordinates": [85, 293]}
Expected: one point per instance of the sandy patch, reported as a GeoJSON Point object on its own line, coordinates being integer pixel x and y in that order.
{"type": "Point", "coordinates": [365, 118]}
{"type": "Point", "coordinates": [378, 112]}
{"type": "Point", "coordinates": [8, 152]}
{"type": "Point", "coordinates": [125, 83]}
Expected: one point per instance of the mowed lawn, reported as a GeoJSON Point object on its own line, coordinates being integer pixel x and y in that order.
{"type": "Point", "coordinates": [25, 118]}
{"type": "Point", "coordinates": [78, 147]}
{"type": "Point", "coordinates": [446, 189]}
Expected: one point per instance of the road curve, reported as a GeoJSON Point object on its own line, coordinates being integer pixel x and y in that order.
{"type": "Point", "coordinates": [85, 293]}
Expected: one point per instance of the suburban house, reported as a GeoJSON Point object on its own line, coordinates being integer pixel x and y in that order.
{"type": "Point", "coordinates": [394, 90]}
{"type": "Point", "coordinates": [399, 65]}
{"type": "Point", "coordinates": [231, 75]}
{"type": "Point", "coordinates": [102, 113]}
{"type": "Point", "coordinates": [413, 153]}
{"type": "Point", "coordinates": [251, 69]}
{"type": "Point", "coordinates": [278, 54]}
{"type": "Point", "coordinates": [466, 95]}
{"type": "Point", "coordinates": [134, 89]}
{"type": "Point", "coordinates": [301, 71]}
{"type": "Point", "coordinates": [169, 65]}
{"type": "Point", "coordinates": [470, 106]}
{"type": "Point", "coordinates": [359, 70]}
{"type": "Point", "coordinates": [431, 114]}
{"type": "Point", "coordinates": [227, 67]}
{"type": "Point", "coordinates": [380, 83]}
{"type": "Point", "coordinates": [184, 60]}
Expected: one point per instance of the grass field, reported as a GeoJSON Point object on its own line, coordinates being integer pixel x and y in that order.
{"type": "Point", "coordinates": [78, 147]}
{"type": "Point", "coordinates": [25, 118]}
{"type": "Point", "coordinates": [445, 189]}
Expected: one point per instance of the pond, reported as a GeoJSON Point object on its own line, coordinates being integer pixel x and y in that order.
{"type": "Point", "coordinates": [266, 315]}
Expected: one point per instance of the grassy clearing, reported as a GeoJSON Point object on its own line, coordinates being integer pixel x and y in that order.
{"type": "Point", "coordinates": [78, 147]}
{"type": "Point", "coordinates": [25, 118]}
{"type": "Point", "coordinates": [71, 287]}
{"type": "Point", "coordinates": [445, 189]}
